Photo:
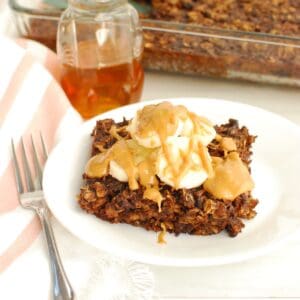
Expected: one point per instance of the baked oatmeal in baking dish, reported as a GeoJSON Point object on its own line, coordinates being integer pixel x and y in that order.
{"type": "Point", "coordinates": [168, 169]}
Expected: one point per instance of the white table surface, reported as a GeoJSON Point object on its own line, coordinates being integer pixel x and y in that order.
{"type": "Point", "coordinates": [274, 275]}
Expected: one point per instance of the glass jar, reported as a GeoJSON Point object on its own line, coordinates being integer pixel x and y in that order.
{"type": "Point", "coordinates": [99, 43]}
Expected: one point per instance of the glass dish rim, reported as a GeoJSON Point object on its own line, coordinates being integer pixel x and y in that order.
{"type": "Point", "coordinates": [171, 27]}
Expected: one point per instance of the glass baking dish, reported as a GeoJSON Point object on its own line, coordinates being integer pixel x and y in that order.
{"type": "Point", "coordinates": [185, 48]}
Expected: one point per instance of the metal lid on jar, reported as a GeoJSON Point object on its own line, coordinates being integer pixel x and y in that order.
{"type": "Point", "coordinates": [54, 8]}
{"type": "Point", "coordinates": [96, 4]}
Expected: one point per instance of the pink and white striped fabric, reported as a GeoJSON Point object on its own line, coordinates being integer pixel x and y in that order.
{"type": "Point", "coordinates": [31, 100]}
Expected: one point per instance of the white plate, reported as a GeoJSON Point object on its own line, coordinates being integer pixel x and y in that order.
{"type": "Point", "coordinates": [275, 167]}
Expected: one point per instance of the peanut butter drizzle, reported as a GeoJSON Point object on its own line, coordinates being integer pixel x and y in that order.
{"type": "Point", "coordinates": [100, 148]}
{"type": "Point", "coordinates": [163, 119]}
{"type": "Point", "coordinates": [139, 163]}
{"type": "Point", "coordinates": [228, 144]}
{"type": "Point", "coordinates": [161, 235]}
{"type": "Point", "coordinates": [114, 132]}
{"type": "Point", "coordinates": [231, 178]}
{"type": "Point", "coordinates": [148, 179]}
{"type": "Point", "coordinates": [227, 178]}
{"type": "Point", "coordinates": [197, 120]}
{"type": "Point", "coordinates": [98, 165]}
{"type": "Point", "coordinates": [218, 137]}
{"type": "Point", "coordinates": [186, 162]}
{"type": "Point", "coordinates": [153, 193]}
{"type": "Point", "coordinates": [205, 159]}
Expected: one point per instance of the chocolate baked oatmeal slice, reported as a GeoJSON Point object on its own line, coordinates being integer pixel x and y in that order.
{"type": "Point", "coordinates": [194, 211]}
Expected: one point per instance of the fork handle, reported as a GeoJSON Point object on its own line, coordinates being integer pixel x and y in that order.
{"type": "Point", "coordinates": [62, 289]}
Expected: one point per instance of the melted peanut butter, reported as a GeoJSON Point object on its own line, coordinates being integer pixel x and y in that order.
{"type": "Point", "coordinates": [228, 144]}
{"type": "Point", "coordinates": [186, 163]}
{"type": "Point", "coordinates": [120, 152]}
{"type": "Point", "coordinates": [154, 195]}
{"type": "Point", "coordinates": [227, 178]}
{"type": "Point", "coordinates": [147, 172]}
{"type": "Point", "coordinates": [114, 132]}
{"type": "Point", "coordinates": [139, 163]}
{"type": "Point", "coordinates": [163, 120]}
{"type": "Point", "coordinates": [198, 121]}
{"type": "Point", "coordinates": [148, 179]}
{"type": "Point", "coordinates": [218, 137]}
{"type": "Point", "coordinates": [100, 148]}
{"type": "Point", "coordinates": [97, 166]}
{"type": "Point", "coordinates": [231, 178]}
{"type": "Point", "coordinates": [161, 235]}
{"type": "Point", "coordinates": [206, 161]}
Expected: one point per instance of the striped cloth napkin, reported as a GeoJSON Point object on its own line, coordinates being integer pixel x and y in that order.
{"type": "Point", "coordinates": [32, 101]}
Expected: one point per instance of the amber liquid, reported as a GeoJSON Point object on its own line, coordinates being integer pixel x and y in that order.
{"type": "Point", "coordinates": [93, 91]}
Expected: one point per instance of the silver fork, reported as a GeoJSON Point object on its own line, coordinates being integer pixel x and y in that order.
{"type": "Point", "coordinates": [31, 196]}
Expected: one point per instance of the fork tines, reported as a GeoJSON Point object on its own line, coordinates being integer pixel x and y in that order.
{"type": "Point", "coordinates": [30, 184]}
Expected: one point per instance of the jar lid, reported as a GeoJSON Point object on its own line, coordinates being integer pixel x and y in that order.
{"type": "Point", "coordinates": [55, 7]}
{"type": "Point", "coordinates": [97, 4]}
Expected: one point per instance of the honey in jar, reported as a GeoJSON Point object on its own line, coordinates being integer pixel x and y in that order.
{"type": "Point", "coordinates": [100, 46]}
{"type": "Point", "coordinates": [93, 91]}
